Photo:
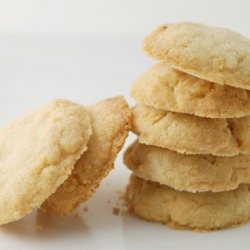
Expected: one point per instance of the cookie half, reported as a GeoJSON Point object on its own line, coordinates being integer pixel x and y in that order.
{"type": "Point", "coordinates": [192, 173]}
{"type": "Point", "coordinates": [163, 87]}
{"type": "Point", "coordinates": [183, 210]}
{"type": "Point", "coordinates": [214, 54]}
{"type": "Point", "coordinates": [38, 152]}
{"type": "Point", "coordinates": [190, 134]}
{"type": "Point", "coordinates": [111, 121]}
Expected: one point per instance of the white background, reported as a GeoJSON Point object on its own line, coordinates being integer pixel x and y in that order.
{"type": "Point", "coordinates": [86, 51]}
{"type": "Point", "coordinates": [117, 16]}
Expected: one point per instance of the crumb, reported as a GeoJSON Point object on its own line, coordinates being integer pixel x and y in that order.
{"type": "Point", "coordinates": [116, 211]}
{"type": "Point", "coordinates": [120, 204]}
{"type": "Point", "coordinates": [120, 211]}
{"type": "Point", "coordinates": [85, 209]}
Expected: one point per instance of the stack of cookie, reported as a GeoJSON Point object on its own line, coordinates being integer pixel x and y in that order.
{"type": "Point", "coordinates": [191, 162]}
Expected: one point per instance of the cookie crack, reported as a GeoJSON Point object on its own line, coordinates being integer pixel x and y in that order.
{"type": "Point", "coordinates": [230, 127]}
{"type": "Point", "coordinates": [158, 119]}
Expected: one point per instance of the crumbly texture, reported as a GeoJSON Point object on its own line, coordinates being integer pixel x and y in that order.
{"type": "Point", "coordinates": [215, 54]}
{"type": "Point", "coordinates": [183, 210]}
{"type": "Point", "coordinates": [111, 121]}
{"type": "Point", "coordinates": [38, 152]}
{"type": "Point", "coordinates": [190, 134]}
{"type": "Point", "coordinates": [192, 173]}
{"type": "Point", "coordinates": [165, 88]}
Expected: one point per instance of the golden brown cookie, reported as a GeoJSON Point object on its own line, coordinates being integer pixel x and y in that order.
{"type": "Point", "coordinates": [214, 54]}
{"type": "Point", "coordinates": [192, 173]}
{"type": "Point", "coordinates": [165, 88]}
{"type": "Point", "coordinates": [183, 210]}
{"type": "Point", "coordinates": [38, 152]}
{"type": "Point", "coordinates": [191, 134]}
{"type": "Point", "coordinates": [111, 121]}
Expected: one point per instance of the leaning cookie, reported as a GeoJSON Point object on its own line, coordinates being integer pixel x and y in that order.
{"type": "Point", "coordinates": [191, 134]}
{"type": "Point", "coordinates": [111, 121]}
{"type": "Point", "coordinates": [192, 173]}
{"type": "Point", "coordinates": [165, 88]}
{"type": "Point", "coordinates": [215, 54]}
{"type": "Point", "coordinates": [183, 210]}
{"type": "Point", "coordinates": [38, 152]}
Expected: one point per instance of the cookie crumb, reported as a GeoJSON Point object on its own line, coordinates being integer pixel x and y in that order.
{"type": "Point", "coordinates": [85, 209]}
{"type": "Point", "coordinates": [116, 211]}
{"type": "Point", "coordinates": [120, 206]}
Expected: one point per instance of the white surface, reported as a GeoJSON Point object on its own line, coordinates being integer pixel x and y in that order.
{"type": "Point", "coordinates": [117, 16]}
{"type": "Point", "coordinates": [35, 69]}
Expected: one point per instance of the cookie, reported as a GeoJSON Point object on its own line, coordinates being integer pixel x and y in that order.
{"type": "Point", "coordinates": [38, 152]}
{"type": "Point", "coordinates": [190, 134]}
{"type": "Point", "coordinates": [192, 173]}
{"type": "Point", "coordinates": [111, 121]}
{"type": "Point", "coordinates": [214, 54]}
{"type": "Point", "coordinates": [183, 210]}
{"type": "Point", "coordinates": [165, 88]}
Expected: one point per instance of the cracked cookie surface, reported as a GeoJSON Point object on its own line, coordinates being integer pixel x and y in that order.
{"type": "Point", "coordinates": [214, 54]}
{"type": "Point", "coordinates": [111, 122]}
{"type": "Point", "coordinates": [184, 210]}
{"type": "Point", "coordinates": [190, 134]}
{"type": "Point", "coordinates": [38, 152]}
{"type": "Point", "coordinates": [192, 173]}
{"type": "Point", "coordinates": [165, 88]}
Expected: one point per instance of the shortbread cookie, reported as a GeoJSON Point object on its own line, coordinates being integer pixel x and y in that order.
{"type": "Point", "coordinates": [184, 210]}
{"type": "Point", "coordinates": [165, 88]}
{"type": "Point", "coordinates": [187, 172]}
{"type": "Point", "coordinates": [191, 134]}
{"type": "Point", "coordinates": [38, 152]}
{"type": "Point", "coordinates": [215, 54]}
{"type": "Point", "coordinates": [110, 123]}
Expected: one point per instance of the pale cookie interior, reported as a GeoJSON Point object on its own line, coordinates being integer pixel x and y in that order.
{"type": "Point", "coordinates": [38, 152]}
{"type": "Point", "coordinates": [184, 210]}
{"type": "Point", "coordinates": [111, 120]}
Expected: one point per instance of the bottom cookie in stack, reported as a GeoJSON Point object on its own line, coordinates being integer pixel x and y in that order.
{"type": "Point", "coordinates": [220, 201]}
{"type": "Point", "coordinates": [185, 210]}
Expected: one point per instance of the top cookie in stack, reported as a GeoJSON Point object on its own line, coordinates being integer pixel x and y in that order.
{"type": "Point", "coordinates": [214, 54]}
{"type": "Point", "coordinates": [192, 120]}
